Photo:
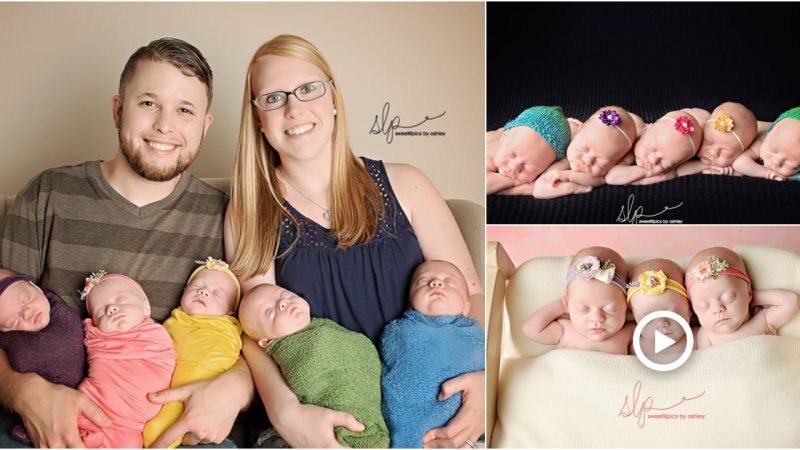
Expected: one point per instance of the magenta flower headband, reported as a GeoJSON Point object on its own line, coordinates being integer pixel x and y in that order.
{"type": "Point", "coordinates": [611, 118]}
{"type": "Point", "coordinates": [684, 126]}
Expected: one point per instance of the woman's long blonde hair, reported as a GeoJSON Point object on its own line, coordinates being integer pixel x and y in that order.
{"type": "Point", "coordinates": [256, 206]}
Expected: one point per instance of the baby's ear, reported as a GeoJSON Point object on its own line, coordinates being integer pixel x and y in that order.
{"type": "Point", "coordinates": [467, 305]}
{"type": "Point", "coordinates": [264, 342]}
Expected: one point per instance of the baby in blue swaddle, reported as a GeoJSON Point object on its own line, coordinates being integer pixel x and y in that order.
{"type": "Point", "coordinates": [431, 343]}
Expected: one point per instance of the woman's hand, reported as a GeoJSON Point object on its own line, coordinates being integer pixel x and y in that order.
{"type": "Point", "coordinates": [310, 426]}
{"type": "Point", "coordinates": [467, 424]}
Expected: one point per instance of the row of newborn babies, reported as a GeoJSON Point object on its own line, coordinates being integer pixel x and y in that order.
{"type": "Point", "coordinates": [717, 288]}
{"type": "Point", "coordinates": [541, 152]}
{"type": "Point", "coordinates": [129, 355]}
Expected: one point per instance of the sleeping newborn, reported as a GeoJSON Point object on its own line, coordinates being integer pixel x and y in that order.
{"type": "Point", "coordinates": [778, 150]}
{"type": "Point", "coordinates": [731, 130]}
{"type": "Point", "coordinates": [323, 363]}
{"type": "Point", "coordinates": [664, 145]}
{"type": "Point", "coordinates": [721, 293]}
{"type": "Point", "coordinates": [600, 143]}
{"type": "Point", "coordinates": [432, 343]}
{"type": "Point", "coordinates": [595, 303]}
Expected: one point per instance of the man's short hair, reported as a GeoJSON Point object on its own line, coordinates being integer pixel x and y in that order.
{"type": "Point", "coordinates": [181, 54]}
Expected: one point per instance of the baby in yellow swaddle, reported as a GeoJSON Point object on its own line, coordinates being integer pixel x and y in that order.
{"type": "Point", "coordinates": [207, 337]}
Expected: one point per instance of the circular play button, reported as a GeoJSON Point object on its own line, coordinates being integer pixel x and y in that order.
{"type": "Point", "coordinates": [662, 342]}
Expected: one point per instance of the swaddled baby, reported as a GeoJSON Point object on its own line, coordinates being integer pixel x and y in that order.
{"type": "Point", "coordinates": [432, 343]}
{"type": "Point", "coordinates": [323, 363]}
{"type": "Point", "coordinates": [206, 336]}
{"type": "Point", "coordinates": [129, 356]}
{"type": "Point", "coordinates": [39, 334]}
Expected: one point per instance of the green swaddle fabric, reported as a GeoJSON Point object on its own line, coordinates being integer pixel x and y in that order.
{"type": "Point", "coordinates": [329, 366]}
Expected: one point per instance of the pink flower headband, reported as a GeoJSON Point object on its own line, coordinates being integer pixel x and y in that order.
{"type": "Point", "coordinates": [713, 267]}
{"type": "Point", "coordinates": [611, 118]}
{"type": "Point", "coordinates": [684, 126]}
{"type": "Point", "coordinates": [590, 267]}
{"type": "Point", "coordinates": [97, 277]}
{"type": "Point", "coordinates": [724, 123]}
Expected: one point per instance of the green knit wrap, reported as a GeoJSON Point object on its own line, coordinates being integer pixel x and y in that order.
{"type": "Point", "coordinates": [793, 113]}
{"type": "Point", "coordinates": [549, 122]}
{"type": "Point", "coordinates": [327, 365]}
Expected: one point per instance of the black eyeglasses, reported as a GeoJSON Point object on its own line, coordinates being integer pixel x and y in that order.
{"type": "Point", "coordinates": [305, 93]}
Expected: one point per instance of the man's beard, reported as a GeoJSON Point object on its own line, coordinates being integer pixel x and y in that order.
{"type": "Point", "coordinates": [152, 173]}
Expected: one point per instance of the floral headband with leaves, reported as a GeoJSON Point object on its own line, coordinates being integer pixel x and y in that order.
{"type": "Point", "coordinates": [712, 268]}
{"type": "Point", "coordinates": [610, 118]}
{"type": "Point", "coordinates": [220, 266]}
{"type": "Point", "coordinates": [590, 267]}
{"type": "Point", "coordinates": [100, 276]}
{"type": "Point", "coordinates": [724, 123]}
{"type": "Point", "coordinates": [654, 282]}
{"type": "Point", "coordinates": [684, 126]}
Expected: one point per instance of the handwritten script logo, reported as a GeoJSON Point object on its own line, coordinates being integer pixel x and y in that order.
{"type": "Point", "coordinates": [640, 410]}
{"type": "Point", "coordinates": [630, 215]}
{"type": "Point", "coordinates": [381, 126]}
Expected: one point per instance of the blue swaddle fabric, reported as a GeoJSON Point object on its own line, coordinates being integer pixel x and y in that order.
{"type": "Point", "coordinates": [418, 354]}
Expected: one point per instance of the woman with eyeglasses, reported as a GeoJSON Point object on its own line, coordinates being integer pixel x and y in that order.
{"type": "Point", "coordinates": [345, 233]}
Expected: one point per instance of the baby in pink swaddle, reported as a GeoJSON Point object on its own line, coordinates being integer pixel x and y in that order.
{"type": "Point", "coordinates": [129, 355]}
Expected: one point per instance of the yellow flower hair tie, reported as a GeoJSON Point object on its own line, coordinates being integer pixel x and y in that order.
{"type": "Point", "coordinates": [654, 282]}
{"type": "Point", "coordinates": [724, 123]}
{"type": "Point", "coordinates": [220, 266]}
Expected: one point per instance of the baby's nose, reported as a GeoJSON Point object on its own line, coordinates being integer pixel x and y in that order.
{"type": "Point", "coordinates": [654, 158]}
{"type": "Point", "coordinates": [436, 283]}
{"type": "Point", "coordinates": [112, 309]}
{"type": "Point", "coordinates": [283, 304]}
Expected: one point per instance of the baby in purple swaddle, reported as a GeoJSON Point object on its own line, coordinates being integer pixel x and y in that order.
{"type": "Point", "coordinates": [39, 334]}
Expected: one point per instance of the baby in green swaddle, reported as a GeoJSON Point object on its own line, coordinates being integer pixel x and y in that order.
{"type": "Point", "coordinates": [323, 363]}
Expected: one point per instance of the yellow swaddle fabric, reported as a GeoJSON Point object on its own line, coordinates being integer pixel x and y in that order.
{"type": "Point", "coordinates": [206, 346]}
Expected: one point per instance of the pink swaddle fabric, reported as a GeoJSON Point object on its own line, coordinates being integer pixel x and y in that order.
{"type": "Point", "coordinates": [123, 368]}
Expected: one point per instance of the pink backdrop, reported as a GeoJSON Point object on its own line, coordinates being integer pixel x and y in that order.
{"type": "Point", "coordinates": [525, 242]}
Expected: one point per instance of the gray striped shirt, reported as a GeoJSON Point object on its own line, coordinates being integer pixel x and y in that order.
{"type": "Point", "coordinates": [68, 222]}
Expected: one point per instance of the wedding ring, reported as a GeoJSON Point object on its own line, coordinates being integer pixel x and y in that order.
{"type": "Point", "coordinates": [470, 443]}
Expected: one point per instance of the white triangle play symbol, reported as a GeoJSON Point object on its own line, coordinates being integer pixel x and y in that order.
{"type": "Point", "coordinates": [663, 342]}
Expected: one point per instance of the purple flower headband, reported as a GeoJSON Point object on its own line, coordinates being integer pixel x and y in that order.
{"type": "Point", "coordinates": [590, 267]}
{"type": "Point", "coordinates": [611, 118]}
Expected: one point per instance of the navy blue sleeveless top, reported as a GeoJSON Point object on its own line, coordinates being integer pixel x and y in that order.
{"type": "Point", "coordinates": [362, 288]}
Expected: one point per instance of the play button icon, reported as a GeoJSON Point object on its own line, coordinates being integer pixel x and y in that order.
{"type": "Point", "coordinates": [662, 341]}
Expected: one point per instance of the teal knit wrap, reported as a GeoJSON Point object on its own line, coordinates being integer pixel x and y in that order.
{"type": "Point", "coordinates": [793, 113]}
{"type": "Point", "coordinates": [549, 122]}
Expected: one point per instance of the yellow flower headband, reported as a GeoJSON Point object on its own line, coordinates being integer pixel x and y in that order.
{"type": "Point", "coordinates": [220, 266]}
{"type": "Point", "coordinates": [724, 123]}
{"type": "Point", "coordinates": [654, 282]}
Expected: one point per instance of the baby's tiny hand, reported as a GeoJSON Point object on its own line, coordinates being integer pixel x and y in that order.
{"type": "Point", "coordinates": [770, 175]}
{"type": "Point", "coordinates": [714, 170]}
{"type": "Point", "coordinates": [556, 176]}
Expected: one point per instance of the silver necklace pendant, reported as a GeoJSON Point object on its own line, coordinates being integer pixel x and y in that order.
{"type": "Point", "coordinates": [327, 215]}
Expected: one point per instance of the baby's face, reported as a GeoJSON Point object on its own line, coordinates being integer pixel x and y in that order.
{"type": "Point", "coordinates": [438, 289]}
{"type": "Point", "coordinates": [669, 300]}
{"type": "Point", "coordinates": [596, 310]}
{"type": "Point", "coordinates": [721, 305]}
{"type": "Point", "coordinates": [117, 306]}
{"type": "Point", "coordinates": [780, 150]}
{"type": "Point", "coordinates": [661, 148]}
{"type": "Point", "coordinates": [596, 148]}
{"type": "Point", "coordinates": [210, 293]}
{"type": "Point", "coordinates": [23, 307]}
{"type": "Point", "coordinates": [718, 149]}
{"type": "Point", "coordinates": [268, 312]}
{"type": "Point", "coordinates": [523, 155]}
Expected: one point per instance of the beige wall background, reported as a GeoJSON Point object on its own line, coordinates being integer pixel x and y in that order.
{"type": "Point", "coordinates": [60, 64]}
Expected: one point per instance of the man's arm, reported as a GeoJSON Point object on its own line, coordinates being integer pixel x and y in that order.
{"type": "Point", "coordinates": [48, 411]}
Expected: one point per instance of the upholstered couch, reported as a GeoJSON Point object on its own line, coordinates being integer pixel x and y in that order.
{"type": "Point", "coordinates": [742, 394]}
